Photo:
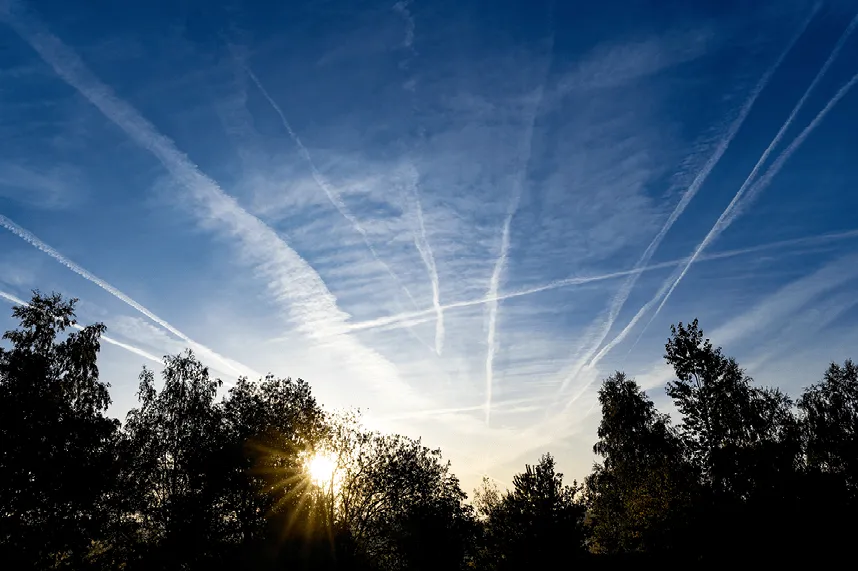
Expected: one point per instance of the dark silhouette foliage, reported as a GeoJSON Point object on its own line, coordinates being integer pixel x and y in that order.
{"type": "Point", "coordinates": [203, 477]}
{"type": "Point", "coordinates": [57, 470]}
{"type": "Point", "coordinates": [539, 522]}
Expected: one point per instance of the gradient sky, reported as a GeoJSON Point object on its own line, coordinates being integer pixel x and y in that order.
{"type": "Point", "coordinates": [455, 215]}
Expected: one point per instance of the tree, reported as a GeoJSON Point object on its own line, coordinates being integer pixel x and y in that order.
{"type": "Point", "coordinates": [397, 500]}
{"type": "Point", "coordinates": [639, 496]}
{"type": "Point", "coordinates": [537, 523]}
{"type": "Point", "coordinates": [57, 469]}
{"type": "Point", "coordinates": [743, 442]}
{"type": "Point", "coordinates": [270, 428]}
{"type": "Point", "coordinates": [830, 424]}
{"type": "Point", "coordinates": [728, 426]}
{"type": "Point", "coordinates": [174, 437]}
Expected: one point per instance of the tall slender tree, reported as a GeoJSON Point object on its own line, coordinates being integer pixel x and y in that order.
{"type": "Point", "coordinates": [57, 466]}
{"type": "Point", "coordinates": [640, 495]}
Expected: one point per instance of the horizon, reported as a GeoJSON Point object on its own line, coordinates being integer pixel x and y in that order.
{"type": "Point", "coordinates": [458, 219]}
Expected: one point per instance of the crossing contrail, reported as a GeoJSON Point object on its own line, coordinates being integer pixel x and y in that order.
{"type": "Point", "coordinates": [753, 189]}
{"type": "Point", "coordinates": [106, 338]}
{"type": "Point", "coordinates": [619, 300]}
{"type": "Point", "coordinates": [34, 241]}
{"type": "Point", "coordinates": [421, 242]}
{"type": "Point", "coordinates": [323, 183]}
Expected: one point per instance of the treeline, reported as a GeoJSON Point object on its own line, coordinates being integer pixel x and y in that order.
{"type": "Point", "coordinates": [191, 481]}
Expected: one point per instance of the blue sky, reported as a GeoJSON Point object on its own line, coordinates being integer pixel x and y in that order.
{"type": "Point", "coordinates": [458, 216]}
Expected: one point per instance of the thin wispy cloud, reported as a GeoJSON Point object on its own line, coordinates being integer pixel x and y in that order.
{"type": "Point", "coordinates": [412, 318]}
{"type": "Point", "coordinates": [780, 305]}
{"type": "Point", "coordinates": [590, 358]}
{"type": "Point", "coordinates": [734, 209]}
{"type": "Point", "coordinates": [106, 338]}
{"type": "Point", "coordinates": [512, 208]}
{"type": "Point", "coordinates": [292, 282]}
{"type": "Point", "coordinates": [402, 8]}
{"type": "Point", "coordinates": [206, 352]}
{"type": "Point", "coordinates": [729, 214]}
{"type": "Point", "coordinates": [421, 242]}
{"type": "Point", "coordinates": [332, 193]}
{"type": "Point", "coordinates": [52, 187]}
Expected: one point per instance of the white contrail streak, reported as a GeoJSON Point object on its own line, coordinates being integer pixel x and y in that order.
{"type": "Point", "coordinates": [423, 316]}
{"type": "Point", "coordinates": [291, 281]}
{"type": "Point", "coordinates": [107, 339]}
{"type": "Point", "coordinates": [323, 183]}
{"type": "Point", "coordinates": [625, 290]}
{"type": "Point", "coordinates": [421, 242]}
{"type": "Point", "coordinates": [731, 211]}
{"type": "Point", "coordinates": [34, 241]}
{"type": "Point", "coordinates": [500, 264]}
{"type": "Point", "coordinates": [734, 209]}
{"type": "Point", "coordinates": [492, 296]}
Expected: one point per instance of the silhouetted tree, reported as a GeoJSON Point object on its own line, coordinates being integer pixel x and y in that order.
{"type": "Point", "coordinates": [830, 424]}
{"type": "Point", "coordinates": [398, 500]}
{"type": "Point", "coordinates": [639, 497]}
{"type": "Point", "coordinates": [174, 437]}
{"type": "Point", "coordinates": [829, 490]}
{"type": "Point", "coordinates": [196, 482]}
{"type": "Point", "coordinates": [537, 523]}
{"type": "Point", "coordinates": [270, 429]}
{"type": "Point", "coordinates": [743, 441]}
{"type": "Point", "coordinates": [270, 424]}
{"type": "Point", "coordinates": [56, 446]}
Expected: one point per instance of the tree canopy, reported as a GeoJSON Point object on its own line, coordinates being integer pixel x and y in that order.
{"type": "Point", "coordinates": [259, 476]}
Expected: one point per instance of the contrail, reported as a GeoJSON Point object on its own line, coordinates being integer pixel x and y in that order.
{"type": "Point", "coordinates": [293, 284]}
{"type": "Point", "coordinates": [500, 264]}
{"type": "Point", "coordinates": [733, 209]}
{"type": "Point", "coordinates": [492, 296]}
{"type": "Point", "coordinates": [422, 316]}
{"type": "Point", "coordinates": [320, 179]}
{"type": "Point", "coordinates": [107, 339]}
{"type": "Point", "coordinates": [422, 244]}
{"type": "Point", "coordinates": [34, 241]}
{"type": "Point", "coordinates": [625, 290]}
{"type": "Point", "coordinates": [729, 215]}
{"type": "Point", "coordinates": [421, 241]}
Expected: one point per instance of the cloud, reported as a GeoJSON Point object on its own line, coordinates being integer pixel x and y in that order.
{"type": "Point", "coordinates": [787, 301]}
{"type": "Point", "coordinates": [402, 8]}
{"type": "Point", "coordinates": [756, 186]}
{"type": "Point", "coordinates": [411, 318]}
{"type": "Point", "coordinates": [54, 187]}
{"type": "Point", "coordinates": [512, 207]}
{"type": "Point", "coordinates": [106, 338]}
{"type": "Point", "coordinates": [142, 332]}
{"type": "Point", "coordinates": [421, 242]}
{"type": "Point", "coordinates": [205, 352]}
{"type": "Point", "coordinates": [292, 283]}
{"type": "Point", "coordinates": [590, 358]}
{"type": "Point", "coordinates": [737, 204]}
{"type": "Point", "coordinates": [332, 193]}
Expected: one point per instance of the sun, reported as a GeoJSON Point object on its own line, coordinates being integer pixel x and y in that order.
{"type": "Point", "coordinates": [321, 468]}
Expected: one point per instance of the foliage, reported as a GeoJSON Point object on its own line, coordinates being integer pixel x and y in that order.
{"type": "Point", "coordinates": [830, 422]}
{"type": "Point", "coordinates": [56, 466]}
{"type": "Point", "coordinates": [537, 522]}
{"type": "Point", "coordinates": [640, 495]}
{"type": "Point", "coordinates": [205, 478]}
{"type": "Point", "coordinates": [398, 500]}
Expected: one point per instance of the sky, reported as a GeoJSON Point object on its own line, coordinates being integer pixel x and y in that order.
{"type": "Point", "coordinates": [457, 216]}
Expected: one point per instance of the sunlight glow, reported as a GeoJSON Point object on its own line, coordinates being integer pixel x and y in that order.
{"type": "Point", "coordinates": [321, 468]}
